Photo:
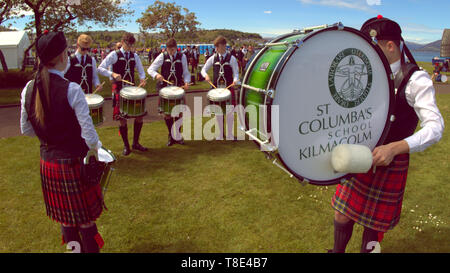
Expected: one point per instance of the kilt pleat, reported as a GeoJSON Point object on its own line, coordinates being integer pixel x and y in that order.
{"type": "Point", "coordinates": [375, 199]}
{"type": "Point", "coordinates": [68, 200]}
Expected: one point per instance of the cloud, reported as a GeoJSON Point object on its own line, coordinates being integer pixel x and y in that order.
{"type": "Point", "coordinates": [364, 5]}
{"type": "Point", "coordinates": [374, 2]}
{"type": "Point", "coordinates": [268, 12]}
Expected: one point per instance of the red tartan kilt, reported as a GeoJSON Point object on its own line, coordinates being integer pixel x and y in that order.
{"type": "Point", "coordinates": [67, 199]}
{"type": "Point", "coordinates": [374, 200]}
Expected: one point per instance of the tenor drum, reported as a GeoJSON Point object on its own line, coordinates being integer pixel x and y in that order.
{"type": "Point", "coordinates": [218, 99]}
{"type": "Point", "coordinates": [169, 97]}
{"type": "Point", "coordinates": [95, 103]}
{"type": "Point", "coordinates": [307, 92]}
{"type": "Point", "coordinates": [132, 102]}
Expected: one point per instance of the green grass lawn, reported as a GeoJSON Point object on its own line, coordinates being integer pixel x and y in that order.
{"type": "Point", "coordinates": [216, 196]}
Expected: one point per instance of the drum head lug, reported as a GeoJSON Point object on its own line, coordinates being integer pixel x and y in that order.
{"type": "Point", "coordinates": [270, 93]}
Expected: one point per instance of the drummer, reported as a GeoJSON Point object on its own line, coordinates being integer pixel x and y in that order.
{"type": "Point", "coordinates": [226, 74]}
{"type": "Point", "coordinates": [83, 67]}
{"type": "Point", "coordinates": [374, 199]}
{"type": "Point", "coordinates": [55, 110]}
{"type": "Point", "coordinates": [119, 65]}
{"type": "Point", "coordinates": [174, 68]}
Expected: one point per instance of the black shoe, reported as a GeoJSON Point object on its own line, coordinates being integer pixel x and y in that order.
{"type": "Point", "coordinates": [139, 147]}
{"type": "Point", "coordinates": [171, 141]}
{"type": "Point", "coordinates": [126, 151]}
{"type": "Point", "coordinates": [181, 142]}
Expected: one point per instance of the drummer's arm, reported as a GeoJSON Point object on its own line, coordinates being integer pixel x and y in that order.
{"type": "Point", "coordinates": [25, 125]}
{"type": "Point", "coordinates": [95, 79]}
{"type": "Point", "coordinates": [139, 67]}
{"type": "Point", "coordinates": [235, 68]}
{"type": "Point", "coordinates": [77, 101]}
{"type": "Point", "coordinates": [103, 68]}
{"type": "Point", "coordinates": [153, 69]}
{"type": "Point", "coordinates": [209, 63]}
{"type": "Point", "coordinates": [419, 95]}
{"type": "Point", "coordinates": [186, 73]}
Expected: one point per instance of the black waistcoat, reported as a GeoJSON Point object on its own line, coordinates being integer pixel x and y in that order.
{"type": "Point", "coordinates": [227, 77]}
{"type": "Point", "coordinates": [61, 136]}
{"type": "Point", "coordinates": [406, 120]}
{"type": "Point", "coordinates": [75, 73]}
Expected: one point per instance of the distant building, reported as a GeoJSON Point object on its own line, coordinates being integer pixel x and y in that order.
{"type": "Point", "coordinates": [13, 45]}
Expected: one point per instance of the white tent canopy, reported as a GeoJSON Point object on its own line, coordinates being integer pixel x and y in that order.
{"type": "Point", "coordinates": [13, 45]}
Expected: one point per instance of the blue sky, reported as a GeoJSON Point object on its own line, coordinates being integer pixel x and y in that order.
{"type": "Point", "coordinates": [422, 21]}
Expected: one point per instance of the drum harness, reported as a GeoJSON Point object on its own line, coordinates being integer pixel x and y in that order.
{"type": "Point", "coordinates": [128, 59]}
{"type": "Point", "coordinates": [172, 70]}
{"type": "Point", "coordinates": [84, 66]}
{"type": "Point", "coordinates": [221, 73]}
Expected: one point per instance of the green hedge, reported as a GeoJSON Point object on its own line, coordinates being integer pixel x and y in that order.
{"type": "Point", "coordinates": [15, 78]}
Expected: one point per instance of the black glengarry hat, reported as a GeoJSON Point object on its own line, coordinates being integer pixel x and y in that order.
{"type": "Point", "coordinates": [382, 28]}
{"type": "Point", "coordinates": [49, 45]}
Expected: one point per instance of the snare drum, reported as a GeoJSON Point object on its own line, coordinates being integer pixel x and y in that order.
{"type": "Point", "coordinates": [219, 98]}
{"type": "Point", "coordinates": [95, 103]}
{"type": "Point", "coordinates": [317, 90]}
{"type": "Point", "coordinates": [108, 158]}
{"type": "Point", "coordinates": [169, 97]}
{"type": "Point", "coordinates": [132, 102]}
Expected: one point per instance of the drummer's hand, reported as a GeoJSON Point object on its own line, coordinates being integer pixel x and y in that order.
{"type": "Point", "coordinates": [116, 77]}
{"type": "Point", "coordinates": [384, 154]}
{"type": "Point", "coordinates": [207, 78]}
{"type": "Point", "coordinates": [99, 87]}
{"type": "Point", "coordinates": [186, 86]}
{"type": "Point", "coordinates": [159, 78]}
{"type": "Point", "coordinates": [143, 82]}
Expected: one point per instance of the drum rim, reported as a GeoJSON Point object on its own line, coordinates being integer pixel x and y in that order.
{"type": "Point", "coordinates": [172, 96]}
{"type": "Point", "coordinates": [286, 60]}
{"type": "Point", "coordinates": [95, 105]}
{"type": "Point", "coordinates": [110, 153]}
{"type": "Point", "coordinates": [133, 96]}
{"type": "Point", "coordinates": [219, 99]}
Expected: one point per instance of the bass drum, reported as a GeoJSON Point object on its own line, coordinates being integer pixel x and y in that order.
{"type": "Point", "coordinates": [307, 92]}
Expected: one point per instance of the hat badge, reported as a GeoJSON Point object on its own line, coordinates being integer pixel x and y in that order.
{"type": "Point", "coordinates": [373, 33]}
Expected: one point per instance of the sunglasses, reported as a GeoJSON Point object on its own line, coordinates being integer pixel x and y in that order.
{"type": "Point", "coordinates": [85, 49]}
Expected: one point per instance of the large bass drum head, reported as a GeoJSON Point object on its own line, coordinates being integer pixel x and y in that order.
{"type": "Point", "coordinates": [336, 88]}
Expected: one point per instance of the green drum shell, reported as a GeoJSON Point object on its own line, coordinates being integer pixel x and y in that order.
{"type": "Point", "coordinates": [260, 75]}
{"type": "Point", "coordinates": [132, 105]}
{"type": "Point", "coordinates": [168, 102]}
{"type": "Point", "coordinates": [95, 104]}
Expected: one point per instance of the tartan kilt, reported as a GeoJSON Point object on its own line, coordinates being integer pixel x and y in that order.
{"type": "Point", "coordinates": [69, 200]}
{"type": "Point", "coordinates": [116, 87]}
{"type": "Point", "coordinates": [374, 200]}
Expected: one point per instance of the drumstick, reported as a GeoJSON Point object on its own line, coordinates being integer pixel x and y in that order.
{"type": "Point", "coordinates": [229, 86]}
{"type": "Point", "coordinates": [98, 88]}
{"type": "Point", "coordinates": [167, 81]}
{"type": "Point", "coordinates": [130, 83]}
{"type": "Point", "coordinates": [212, 84]}
{"type": "Point", "coordinates": [140, 85]}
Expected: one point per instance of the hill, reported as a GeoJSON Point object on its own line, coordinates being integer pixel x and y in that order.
{"type": "Point", "coordinates": [434, 46]}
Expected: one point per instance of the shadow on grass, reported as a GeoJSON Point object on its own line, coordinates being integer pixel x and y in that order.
{"type": "Point", "coordinates": [174, 158]}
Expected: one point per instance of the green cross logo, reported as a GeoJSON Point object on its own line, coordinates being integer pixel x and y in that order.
{"type": "Point", "coordinates": [350, 78]}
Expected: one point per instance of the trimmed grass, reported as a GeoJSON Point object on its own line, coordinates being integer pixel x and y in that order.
{"type": "Point", "coordinates": [216, 196]}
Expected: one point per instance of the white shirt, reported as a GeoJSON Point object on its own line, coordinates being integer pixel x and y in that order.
{"type": "Point", "coordinates": [95, 79]}
{"type": "Point", "coordinates": [420, 95]}
{"type": "Point", "coordinates": [105, 67]}
{"type": "Point", "coordinates": [77, 101]}
{"type": "Point", "coordinates": [233, 62]}
{"type": "Point", "coordinates": [158, 62]}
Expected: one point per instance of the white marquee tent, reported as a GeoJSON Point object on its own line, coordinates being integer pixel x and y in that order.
{"type": "Point", "coordinates": [13, 44]}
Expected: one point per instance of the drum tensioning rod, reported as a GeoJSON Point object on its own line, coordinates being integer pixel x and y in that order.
{"type": "Point", "coordinates": [269, 92]}
{"type": "Point", "coordinates": [269, 148]}
{"type": "Point", "coordinates": [282, 168]}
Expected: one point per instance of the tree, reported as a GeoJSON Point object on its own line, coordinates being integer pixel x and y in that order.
{"type": "Point", "coordinates": [168, 18]}
{"type": "Point", "coordinates": [65, 15]}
